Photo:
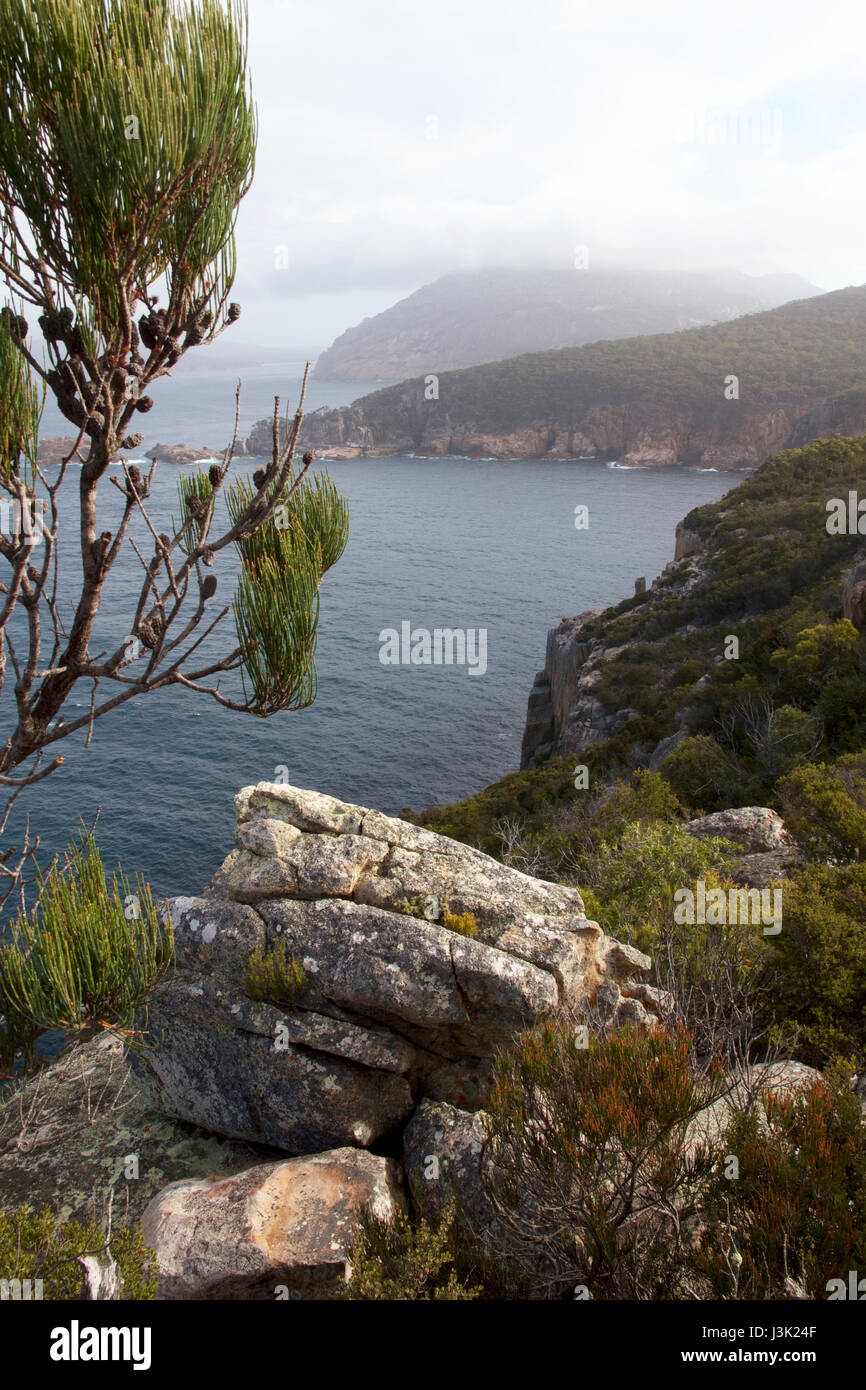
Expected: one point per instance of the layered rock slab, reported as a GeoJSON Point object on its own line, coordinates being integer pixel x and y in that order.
{"type": "Point", "coordinates": [394, 1006]}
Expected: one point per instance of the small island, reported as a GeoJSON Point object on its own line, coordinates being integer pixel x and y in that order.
{"type": "Point", "coordinates": [55, 450]}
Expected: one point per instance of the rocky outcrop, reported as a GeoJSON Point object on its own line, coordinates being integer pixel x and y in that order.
{"type": "Point", "coordinates": [56, 449]}
{"type": "Point", "coordinates": [445, 1156]}
{"type": "Point", "coordinates": [562, 712]}
{"type": "Point", "coordinates": [394, 1007]}
{"type": "Point", "coordinates": [565, 712]}
{"type": "Point", "coordinates": [183, 454]}
{"type": "Point", "coordinates": [388, 1042]}
{"type": "Point", "coordinates": [768, 850]}
{"type": "Point", "coordinates": [281, 1230]}
{"type": "Point", "coordinates": [687, 542]}
{"type": "Point", "coordinates": [756, 829]}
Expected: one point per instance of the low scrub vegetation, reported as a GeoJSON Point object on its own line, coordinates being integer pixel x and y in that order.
{"type": "Point", "coordinates": [606, 1183]}
{"type": "Point", "coordinates": [38, 1249]}
{"type": "Point", "coordinates": [85, 958]}
{"type": "Point", "coordinates": [274, 977]}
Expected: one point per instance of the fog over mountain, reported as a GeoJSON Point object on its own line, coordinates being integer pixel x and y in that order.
{"type": "Point", "coordinates": [471, 317]}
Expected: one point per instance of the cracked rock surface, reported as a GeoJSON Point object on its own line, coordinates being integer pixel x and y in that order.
{"type": "Point", "coordinates": [395, 1007]}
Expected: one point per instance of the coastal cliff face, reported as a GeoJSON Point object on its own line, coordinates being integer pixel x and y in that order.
{"type": "Point", "coordinates": [562, 714]}
{"type": "Point", "coordinates": [655, 669]}
{"type": "Point", "coordinates": [634, 435]}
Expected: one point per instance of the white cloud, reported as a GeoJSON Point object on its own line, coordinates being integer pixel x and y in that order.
{"type": "Point", "coordinates": [556, 123]}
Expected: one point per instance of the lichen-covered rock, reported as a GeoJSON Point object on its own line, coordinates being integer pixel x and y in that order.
{"type": "Point", "coordinates": [272, 839]}
{"type": "Point", "coordinates": [210, 933]}
{"type": "Point", "coordinates": [745, 1088]}
{"type": "Point", "coordinates": [381, 861]}
{"type": "Point", "coordinates": [567, 948]}
{"type": "Point", "coordinates": [214, 1066]}
{"type": "Point", "coordinates": [393, 1005]}
{"type": "Point", "coordinates": [447, 992]}
{"type": "Point", "coordinates": [444, 1156]}
{"type": "Point", "coordinates": [83, 1133]}
{"type": "Point", "coordinates": [756, 829]}
{"type": "Point", "coordinates": [276, 1231]}
{"type": "Point", "coordinates": [761, 870]}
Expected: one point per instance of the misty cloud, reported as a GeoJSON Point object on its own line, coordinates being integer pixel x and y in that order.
{"type": "Point", "coordinates": [400, 141]}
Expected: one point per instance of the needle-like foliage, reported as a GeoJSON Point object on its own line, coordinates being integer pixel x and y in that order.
{"type": "Point", "coordinates": [20, 406]}
{"type": "Point", "coordinates": [88, 954]}
{"type": "Point", "coordinates": [127, 141]}
{"type": "Point", "coordinates": [276, 607]}
{"type": "Point", "coordinates": [127, 138]}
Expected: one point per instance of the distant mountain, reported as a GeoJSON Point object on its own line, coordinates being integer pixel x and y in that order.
{"type": "Point", "coordinates": [480, 316]}
{"type": "Point", "coordinates": [724, 396]}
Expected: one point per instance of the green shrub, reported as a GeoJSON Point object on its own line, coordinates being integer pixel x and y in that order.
{"type": "Point", "coordinates": [841, 706]}
{"type": "Point", "coordinates": [636, 874]}
{"type": "Point", "coordinates": [399, 1260]}
{"type": "Point", "coordinates": [34, 1245]}
{"type": "Point", "coordinates": [429, 909]}
{"type": "Point", "coordinates": [795, 1217]}
{"type": "Point", "coordinates": [819, 654]}
{"type": "Point", "coordinates": [824, 807]}
{"type": "Point", "coordinates": [525, 793]}
{"type": "Point", "coordinates": [463, 923]}
{"type": "Point", "coordinates": [821, 957]}
{"type": "Point", "coordinates": [593, 1181]}
{"type": "Point", "coordinates": [688, 673]}
{"type": "Point", "coordinates": [644, 797]}
{"type": "Point", "coordinates": [702, 775]}
{"type": "Point", "coordinates": [276, 978]}
{"type": "Point", "coordinates": [87, 956]}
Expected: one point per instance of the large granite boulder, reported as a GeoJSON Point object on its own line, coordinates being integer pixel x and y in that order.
{"type": "Point", "coordinates": [396, 1004]}
{"type": "Point", "coordinates": [279, 1230]}
{"type": "Point", "coordinates": [756, 829]}
{"type": "Point", "coordinates": [445, 1157]}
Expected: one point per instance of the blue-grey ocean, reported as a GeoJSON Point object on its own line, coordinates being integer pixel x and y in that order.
{"type": "Point", "coordinates": [436, 543]}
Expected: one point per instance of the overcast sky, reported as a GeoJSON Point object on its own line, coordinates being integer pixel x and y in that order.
{"type": "Point", "coordinates": [402, 139]}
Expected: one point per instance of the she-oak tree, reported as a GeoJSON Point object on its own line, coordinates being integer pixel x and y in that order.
{"type": "Point", "coordinates": [127, 141]}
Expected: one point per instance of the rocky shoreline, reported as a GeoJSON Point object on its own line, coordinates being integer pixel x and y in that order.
{"type": "Point", "coordinates": [54, 450]}
{"type": "Point", "coordinates": [636, 435]}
